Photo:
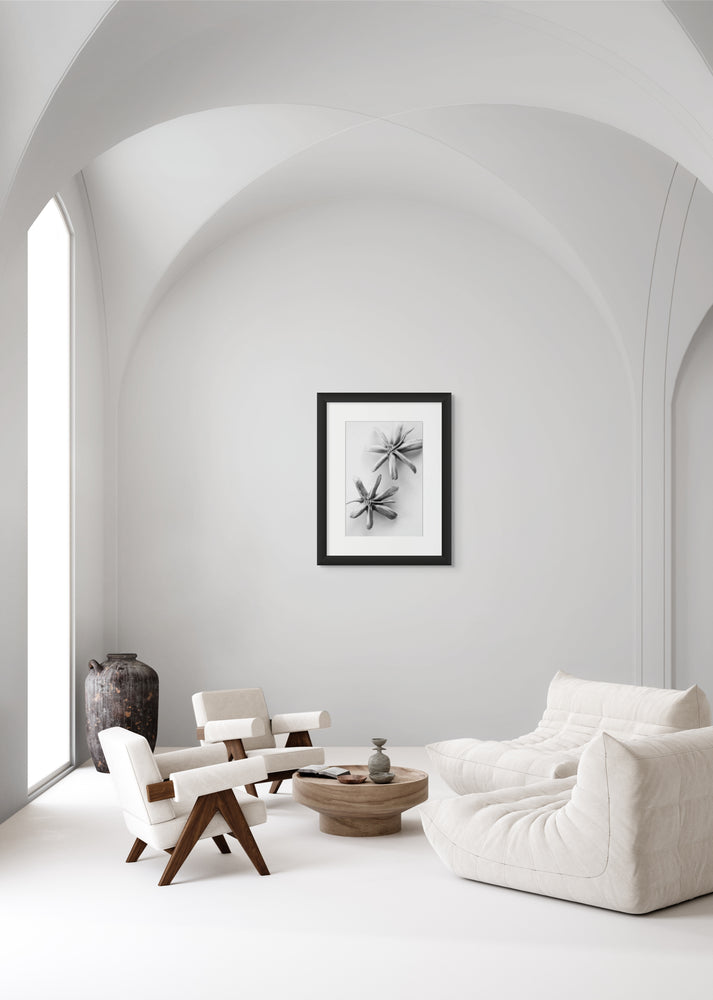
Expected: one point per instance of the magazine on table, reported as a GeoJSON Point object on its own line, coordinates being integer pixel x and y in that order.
{"type": "Point", "coordinates": [322, 771]}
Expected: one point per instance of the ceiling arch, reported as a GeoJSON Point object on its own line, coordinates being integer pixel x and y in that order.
{"type": "Point", "coordinates": [559, 181]}
{"type": "Point", "coordinates": [385, 159]}
{"type": "Point", "coordinates": [475, 77]}
{"type": "Point", "coordinates": [631, 66]}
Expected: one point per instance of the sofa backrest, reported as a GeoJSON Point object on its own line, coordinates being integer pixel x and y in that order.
{"type": "Point", "coordinates": [236, 703]}
{"type": "Point", "coordinates": [132, 768]}
{"type": "Point", "coordinates": [625, 709]}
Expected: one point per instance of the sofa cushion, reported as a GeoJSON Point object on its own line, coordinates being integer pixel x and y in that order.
{"type": "Point", "coordinates": [469, 765]}
{"type": "Point", "coordinates": [622, 708]}
{"type": "Point", "coordinates": [576, 711]}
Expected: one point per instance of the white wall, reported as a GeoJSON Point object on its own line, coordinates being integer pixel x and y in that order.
{"type": "Point", "coordinates": [218, 582]}
{"type": "Point", "coordinates": [693, 515]}
{"type": "Point", "coordinates": [13, 532]}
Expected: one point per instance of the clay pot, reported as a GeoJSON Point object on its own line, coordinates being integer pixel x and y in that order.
{"type": "Point", "coordinates": [121, 691]}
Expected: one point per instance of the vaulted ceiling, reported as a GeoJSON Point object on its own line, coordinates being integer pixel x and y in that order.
{"type": "Point", "coordinates": [190, 121]}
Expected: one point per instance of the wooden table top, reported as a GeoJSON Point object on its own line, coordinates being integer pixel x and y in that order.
{"type": "Point", "coordinates": [401, 776]}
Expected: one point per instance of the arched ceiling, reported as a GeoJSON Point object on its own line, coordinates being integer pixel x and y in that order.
{"type": "Point", "coordinates": [563, 120]}
{"type": "Point", "coordinates": [81, 77]}
{"type": "Point", "coordinates": [559, 181]}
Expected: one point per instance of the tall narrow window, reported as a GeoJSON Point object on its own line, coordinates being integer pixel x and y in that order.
{"type": "Point", "coordinates": [49, 588]}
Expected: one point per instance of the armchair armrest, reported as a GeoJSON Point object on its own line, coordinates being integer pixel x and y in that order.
{"type": "Point", "coordinates": [188, 785]}
{"type": "Point", "coordinates": [231, 729]}
{"type": "Point", "coordinates": [297, 722]}
{"type": "Point", "coordinates": [183, 760]}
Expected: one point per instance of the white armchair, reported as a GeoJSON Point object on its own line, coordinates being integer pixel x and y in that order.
{"type": "Point", "coordinates": [632, 831]}
{"type": "Point", "coordinates": [239, 719]}
{"type": "Point", "coordinates": [171, 801]}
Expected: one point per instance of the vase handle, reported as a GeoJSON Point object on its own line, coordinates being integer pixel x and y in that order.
{"type": "Point", "coordinates": [93, 665]}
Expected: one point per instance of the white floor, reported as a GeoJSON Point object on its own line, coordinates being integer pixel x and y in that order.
{"type": "Point", "coordinates": [338, 918]}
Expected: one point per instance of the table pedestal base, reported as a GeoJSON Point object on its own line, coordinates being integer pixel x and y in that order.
{"type": "Point", "coordinates": [360, 826]}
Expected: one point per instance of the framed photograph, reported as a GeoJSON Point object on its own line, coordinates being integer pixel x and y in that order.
{"type": "Point", "coordinates": [384, 478]}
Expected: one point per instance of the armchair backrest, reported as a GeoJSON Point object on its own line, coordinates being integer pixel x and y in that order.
{"type": "Point", "coordinates": [239, 703]}
{"type": "Point", "coordinates": [132, 767]}
{"type": "Point", "coordinates": [625, 709]}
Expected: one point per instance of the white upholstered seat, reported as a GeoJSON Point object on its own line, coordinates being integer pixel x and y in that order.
{"type": "Point", "coordinates": [633, 831]}
{"type": "Point", "coordinates": [239, 718]}
{"type": "Point", "coordinates": [577, 710]}
{"type": "Point", "coordinates": [172, 800]}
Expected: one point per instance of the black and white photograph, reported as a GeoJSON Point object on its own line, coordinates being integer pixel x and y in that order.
{"type": "Point", "coordinates": [383, 469]}
{"type": "Point", "coordinates": [384, 478]}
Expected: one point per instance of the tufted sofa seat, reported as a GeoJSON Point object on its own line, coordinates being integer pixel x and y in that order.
{"type": "Point", "coordinates": [633, 831]}
{"type": "Point", "coordinates": [577, 711]}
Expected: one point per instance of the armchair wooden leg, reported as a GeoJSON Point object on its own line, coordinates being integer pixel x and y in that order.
{"type": "Point", "coordinates": [236, 751]}
{"type": "Point", "coordinates": [301, 739]}
{"type": "Point", "coordinates": [136, 851]}
{"type": "Point", "coordinates": [222, 844]}
{"type": "Point", "coordinates": [200, 816]}
{"type": "Point", "coordinates": [240, 829]}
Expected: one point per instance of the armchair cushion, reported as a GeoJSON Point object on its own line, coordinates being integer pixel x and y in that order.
{"type": "Point", "coordinates": [165, 835]}
{"type": "Point", "coordinates": [233, 729]}
{"type": "Point", "coordinates": [133, 767]}
{"type": "Point", "coordinates": [182, 760]}
{"type": "Point", "coordinates": [190, 784]}
{"type": "Point", "coordinates": [289, 759]}
{"type": "Point", "coordinates": [242, 703]}
{"type": "Point", "coordinates": [297, 722]}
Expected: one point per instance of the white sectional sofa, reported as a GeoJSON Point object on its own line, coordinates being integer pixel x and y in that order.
{"type": "Point", "coordinates": [632, 831]}
{"type": "Point", "coordinates": [577, 710]}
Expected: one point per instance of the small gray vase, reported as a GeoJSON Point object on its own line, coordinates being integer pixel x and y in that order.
{"type": "Point", "coordinates": [379, 764]}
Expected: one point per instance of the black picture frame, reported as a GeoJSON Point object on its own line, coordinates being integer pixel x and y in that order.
{"type": "Point", "coordinates": [332, 548]}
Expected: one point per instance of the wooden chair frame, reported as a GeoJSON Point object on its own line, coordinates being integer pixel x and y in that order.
{"type": "Point", "coordinates": [203, 811]}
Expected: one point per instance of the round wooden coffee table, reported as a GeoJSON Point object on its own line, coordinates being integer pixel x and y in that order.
{"type": "Point", "coordinates": [367, 810]}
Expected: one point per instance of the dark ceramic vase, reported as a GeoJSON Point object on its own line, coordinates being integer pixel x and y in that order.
{"type": "Point", "coordinates": [121, 691]}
